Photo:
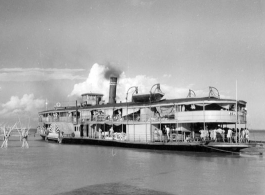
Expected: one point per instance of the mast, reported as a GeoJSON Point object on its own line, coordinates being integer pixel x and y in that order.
{"type": "Point", "coordinates": [46, 103]}
{"type": "Point", "coordinates": [236, 114]}
{"type": "Point", "coordinates": [76, 112]}
{"type": "Point", "coordinates": [203, 116]}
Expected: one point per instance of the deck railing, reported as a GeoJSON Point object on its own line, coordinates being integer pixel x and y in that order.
{"type": "Point", "coordinates": [188, 116]}
{"type": "Point", "coordinates": [59, 119]}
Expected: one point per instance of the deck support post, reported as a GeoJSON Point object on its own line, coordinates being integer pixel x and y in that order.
{"type": "Point", "coordinates": [203, 116]}
{"type": "Point", "coordinates": [133, 127]}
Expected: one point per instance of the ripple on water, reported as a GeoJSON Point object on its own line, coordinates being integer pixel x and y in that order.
{"type": "Point", "coordinates": [113, 188]}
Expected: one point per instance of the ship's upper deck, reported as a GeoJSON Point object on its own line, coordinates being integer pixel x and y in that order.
{"type": "Point", "coordinates": [185, 110]}
{"type": "Point", "coordinates": [164, 102]}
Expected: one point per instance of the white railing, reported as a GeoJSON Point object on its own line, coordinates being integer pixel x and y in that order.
{"type": "Point", "coordinates": [59, 119]}
{"type": "Point", "coordinates": [188, 116]}
{"type": "Point", "coordinates": [210, 116]}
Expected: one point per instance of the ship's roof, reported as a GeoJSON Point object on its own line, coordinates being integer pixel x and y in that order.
{"type": "Point", "coordinates": [163, 102]}
{"type": "Point", "coordinates": [94, 94]}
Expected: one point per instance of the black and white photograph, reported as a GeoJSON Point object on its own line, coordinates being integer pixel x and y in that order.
{"type": "Point", "coordinates": [123, 97]}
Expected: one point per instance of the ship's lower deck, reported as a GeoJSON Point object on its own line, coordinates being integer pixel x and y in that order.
{"type": "Point", "coordinates": [194, 146]}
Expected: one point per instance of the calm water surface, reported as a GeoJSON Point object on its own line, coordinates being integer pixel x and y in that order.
{"type": "Point", "coordinates": [50, 168]}
{"type": "Point", "coordinates": [257, 135]}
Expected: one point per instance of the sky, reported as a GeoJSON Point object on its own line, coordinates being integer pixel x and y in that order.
{"type": "Point", "coordinates": [53, 51]}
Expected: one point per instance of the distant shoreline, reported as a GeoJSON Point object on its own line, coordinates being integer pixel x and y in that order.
{"type": "Point", "coordinates": [257, 130]}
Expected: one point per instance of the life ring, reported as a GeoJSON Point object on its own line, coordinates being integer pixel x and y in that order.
{"type": "Point", "coordinates": [58, 104]}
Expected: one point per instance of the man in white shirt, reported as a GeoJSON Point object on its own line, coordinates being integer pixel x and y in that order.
{"type": "Point", "coordinates": [214, 135]}
{"type": "Point", "coordinates": [111, 131]}
{"type": "Point", "coordinates": [202, 131]}
{"type": "Point", "coordinates": [221, 132]}
{"type": "Point", "coordinates": [229, 135]}
{"type": "Point", "coordinates": [247, 135]}
{"type": "Point", "coordinates": [167, 130]}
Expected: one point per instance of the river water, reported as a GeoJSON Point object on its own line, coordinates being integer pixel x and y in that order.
{"type": "Point", "coordinates": [51, 168]}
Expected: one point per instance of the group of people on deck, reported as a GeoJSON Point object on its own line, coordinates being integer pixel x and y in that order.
{"type": "Point", "coordinates": [168, 134]}
{"type": "Point", "coordinates": [219, 133]}
{"type": "Point", "coordinates": [110, 134]}
{"type": "Point", "coordinates": [163, 134]}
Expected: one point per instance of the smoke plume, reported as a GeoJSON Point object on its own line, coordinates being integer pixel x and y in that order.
{"type": "Point", "coordinates": [98, 82]}
{"type": "Point", "coordinates": [111, 71]}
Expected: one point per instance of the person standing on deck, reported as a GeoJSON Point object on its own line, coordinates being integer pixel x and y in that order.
{"type": "Point", "coordinates": [99, 133]}
{"type": "Point", "coordinates": [233, 135]}
{"type": "Point", "coordinates": [211, 134]}
{"type": "Point", "coordinates": [207, 134]}
{"type": "Point", "coordinates": [47, 131]}
{"type": "Point", "coordinates": [221, 132]}
{"type": "Point", "coordinates": [247, 135]}
{"type": "Point", "coordinates": [167, 131]}
{"type": "Point", "coordinates": [243, 135]}
{"type": "Point", "coordinates": [214, 135]}
{"type": "Point", "coordinates": [160, 132]}
{"type": "Point", "coordinates": [229, 135]}
{"type": "Point", "coordinates": [188, 139]}
{"type": "Point", "coordinates": [164, 135]}
{"type": "Point", "coordinates": [111, 132]}
{"type": "Point", "coordinates": [237, 137]}
{"type": "Point", "coordinates": [202, 134]}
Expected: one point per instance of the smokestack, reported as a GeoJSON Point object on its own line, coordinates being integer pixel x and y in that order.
{"type": "Point", "coordinates": [112, 90]}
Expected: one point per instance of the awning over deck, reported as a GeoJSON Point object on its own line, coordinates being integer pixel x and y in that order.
{"type": "Point", "coordinates": [183, 127]}
{"type": "Point", "coordinates": [67, 128]}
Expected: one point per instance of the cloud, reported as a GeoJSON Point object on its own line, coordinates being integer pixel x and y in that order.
{"type": "Point", "coordinates": [167, 75]}
{"type": "Point", "coordinates": [26, 105]}
{"type": "Point", "coordinates": [39, 74]}
{"type": "Point", "coordinates": [142, 3]}
{"type": "Point", "coordinates": [96, 82]}
{"type": "Point", "coordinates": [39, 69]}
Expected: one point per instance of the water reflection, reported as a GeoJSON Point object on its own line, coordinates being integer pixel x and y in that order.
{"type": "Point", "coordinates": [50, 168]}
{"type": "Point", "coordinates": [113, 188]}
